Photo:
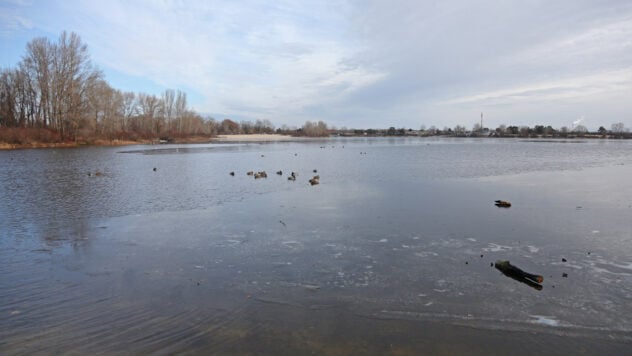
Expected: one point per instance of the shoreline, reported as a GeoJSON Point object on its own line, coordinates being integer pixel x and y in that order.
{"type": "Point", "coordinates": [239, 138]}
{"type": "Point", "coordinates": [253, 138]}
{"type": "Point", "coordinates": [250, 138]}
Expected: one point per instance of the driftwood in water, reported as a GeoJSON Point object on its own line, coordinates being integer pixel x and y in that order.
{"type": "Point", "coordinates": [502, 204]}
{"type": "Point", "coordinates": [509, 270]}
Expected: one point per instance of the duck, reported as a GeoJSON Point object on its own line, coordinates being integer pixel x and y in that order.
{"type": "Point", "coordinates": [250, 173]}
{"type": "Point", "coordinates": [280, 173]}
{"type": "Point", "coordinates": [314, 180]}
{"type": "Point", "coordinates": [232, 174]}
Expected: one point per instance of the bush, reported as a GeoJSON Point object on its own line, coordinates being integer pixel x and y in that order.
{"type": "Point", "coordinates": [27, 136]}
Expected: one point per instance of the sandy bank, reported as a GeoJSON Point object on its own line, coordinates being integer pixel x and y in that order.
{"type": "Point", "coordinates": [252, 138]}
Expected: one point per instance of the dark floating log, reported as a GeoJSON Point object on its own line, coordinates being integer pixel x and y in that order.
{"type": "Point", "coordinates": [502, 203]}
{"type": "Point", "coordinates": [509, 270]}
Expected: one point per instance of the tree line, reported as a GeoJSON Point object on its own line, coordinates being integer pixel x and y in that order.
{"type": "Point", "coordinates": [56, 87]}
{"type": "Point", "coordinates": [55, 93]}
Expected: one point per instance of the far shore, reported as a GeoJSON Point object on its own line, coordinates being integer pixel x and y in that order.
{"type": "Point", "coordinates": [236, 138]}
{"type": "Point", "coordinates": [184, 140]}
{"type": "Point", "coordinates": [253, 138]}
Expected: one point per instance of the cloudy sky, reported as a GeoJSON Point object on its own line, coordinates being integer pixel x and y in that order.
{"type": "Point", "coordinates": [356, 64]}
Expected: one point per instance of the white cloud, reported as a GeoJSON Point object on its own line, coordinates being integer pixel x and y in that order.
{"type": "Point", "coordinates": [366, 63]}
{"type": "Point", "coordinates": [248, 59]}
{"type": "Point", "coordinates": [568, 88]}
{"type": "Point", "coordinates": [11, 18]}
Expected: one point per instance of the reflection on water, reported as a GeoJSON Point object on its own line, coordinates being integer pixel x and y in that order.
{"type": "Point", "coordinates": [397, 240]}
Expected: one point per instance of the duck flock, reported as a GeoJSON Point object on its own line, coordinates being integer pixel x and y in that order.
{"type": "Point", "coordinates": [292, 177]}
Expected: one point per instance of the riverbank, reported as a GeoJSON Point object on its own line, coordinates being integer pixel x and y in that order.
{"type": "Point", "coordinates": [238, 138]}
{"type": "Point", "coordinates": [73, 144]}
{"type": "Point", "coordinates": [253, 138]}
{"type": "Point", "coordinates": [181, 140]}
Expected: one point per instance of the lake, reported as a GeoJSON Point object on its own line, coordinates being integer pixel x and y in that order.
{"type": "Point", "coordinates": [164, 251]}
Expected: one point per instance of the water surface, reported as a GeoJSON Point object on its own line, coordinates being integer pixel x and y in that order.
{"type": "Point", "coordinates": [391, 252]}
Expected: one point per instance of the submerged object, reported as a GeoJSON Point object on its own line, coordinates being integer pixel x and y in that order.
{"type": "Point", "coordinates": [509, 270]}
{"type": "Point", "coordinates": [502, 203]}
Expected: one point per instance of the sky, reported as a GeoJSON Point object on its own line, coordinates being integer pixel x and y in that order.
{"type": "Point", "coordinates": [356, 63]}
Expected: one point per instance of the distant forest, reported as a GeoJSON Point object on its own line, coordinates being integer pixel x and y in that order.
{"type": "Point", "coordinates": [57, 88]}
{"type": "Point", "coordinates": [56, 94]}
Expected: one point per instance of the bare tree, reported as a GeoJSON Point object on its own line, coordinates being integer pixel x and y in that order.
{"type": "Point", "coordinates": [315, 129]}
{"type": "Point", "coordinates": [580, 130]}
{"type": "Point", "coordinates": [97, 95]}
{"type": "Point", "coordinates": [56, 86]}
{"type": "Point", "coordinates": [459, 130]}
{"type": "Point", "coordinates": [180, 108]}
{"type": "Point", "coordinates": [129, 109]}
{"type": "Point", "coordinates": [247, 127]}
{"type": "Point", "coordinates": [168, 107]}
{"type": "Point", "coordinates": [72, 74]}
{"type": "Point", "coordinates": [37, 63]}
{"type": "Point", "coordinates": [618, 129]}
{"type": "Point", "coordinates": [149, 109]}
{"type": "Point", "coordinates": [7, 99]}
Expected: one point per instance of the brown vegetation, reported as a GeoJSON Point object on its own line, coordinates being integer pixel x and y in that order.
{"type": "Point", "coordinates": [55, 95]}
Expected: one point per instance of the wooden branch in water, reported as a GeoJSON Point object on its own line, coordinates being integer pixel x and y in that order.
{"type": "Point", "coordinates": [509, 270]}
